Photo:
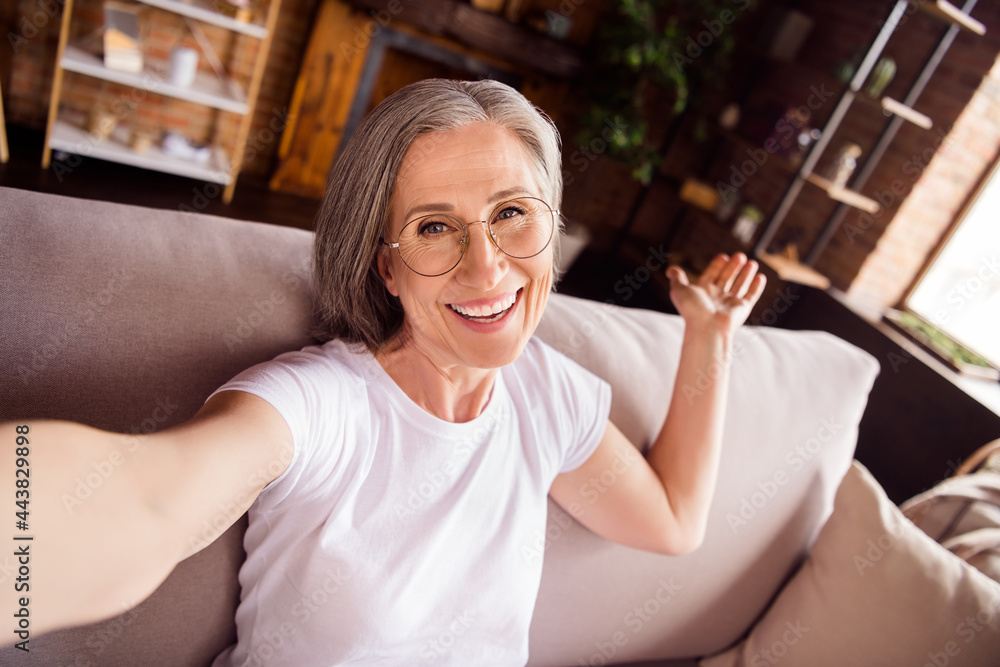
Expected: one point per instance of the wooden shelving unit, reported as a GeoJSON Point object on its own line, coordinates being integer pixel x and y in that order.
{"type": "Point", "coordinates": [902, 111]}
{"type": "Point", "coordinates": [800, 173]}
{"type": "Point", "coordinates": [66, 134]}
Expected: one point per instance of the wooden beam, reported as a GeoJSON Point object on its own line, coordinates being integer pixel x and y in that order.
{"type": "Point", "coordinates": [4, 153]}
{"type": "Point", "coordinates": [330, 72]}
{"type": "Point", "coordinates": [489, 33]}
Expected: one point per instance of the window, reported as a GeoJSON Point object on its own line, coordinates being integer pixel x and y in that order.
{"type": "Point", "coordinates": [960, 291]}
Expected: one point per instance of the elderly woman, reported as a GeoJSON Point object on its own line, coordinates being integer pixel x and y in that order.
{"type": "Point", "coordinates": [402, 466]}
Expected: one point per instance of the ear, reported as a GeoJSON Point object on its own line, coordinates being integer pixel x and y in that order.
{"type": "Point", "coordinates": [385, 269]}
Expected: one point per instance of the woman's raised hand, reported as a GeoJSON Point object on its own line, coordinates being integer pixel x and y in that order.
{"type": "Point", "coordinates": [722, 297]}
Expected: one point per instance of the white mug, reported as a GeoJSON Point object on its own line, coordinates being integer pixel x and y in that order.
{"type": "Point", "coordinates": [183, 66]}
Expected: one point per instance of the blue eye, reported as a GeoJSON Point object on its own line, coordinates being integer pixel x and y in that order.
{"type": "Point", "coordinates": [436, 229]}
{"type": "Point", "coordinates": [509, 212]}
{"type": "Point", "coordinates": [433, 227]}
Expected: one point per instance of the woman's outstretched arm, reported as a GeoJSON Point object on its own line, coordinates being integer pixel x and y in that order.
{"type": "Point", "coordinates": [110, 515]}
{"type": "Point", "coordinates": [661, 503]}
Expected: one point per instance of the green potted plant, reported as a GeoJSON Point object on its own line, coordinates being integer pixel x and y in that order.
{"type": "Point", "coordinates": [649, 51]}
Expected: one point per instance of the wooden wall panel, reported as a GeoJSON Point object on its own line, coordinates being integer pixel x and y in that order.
{"type": "Point", "coordinates": [322, 99]}
{"type": "Point", "coordinates": [348, 36]}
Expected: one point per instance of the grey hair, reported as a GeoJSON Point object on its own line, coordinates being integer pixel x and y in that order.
{"type": "Point", "coordinates": [353, 302]}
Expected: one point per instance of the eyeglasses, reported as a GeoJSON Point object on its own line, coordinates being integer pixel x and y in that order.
{"type": "Point", "coordinates": [433, 245]}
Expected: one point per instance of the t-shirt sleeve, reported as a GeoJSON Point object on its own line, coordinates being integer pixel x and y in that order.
{"type": "Point", "coordinates": [593, 424]}
{"type": "Point", "coordinates": [304, 390]}
{"type": "Point", "coordinates": [582, 405]}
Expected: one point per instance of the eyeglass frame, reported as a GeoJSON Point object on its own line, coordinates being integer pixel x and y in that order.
{"type": "Point", "coordinates": [465, 235]}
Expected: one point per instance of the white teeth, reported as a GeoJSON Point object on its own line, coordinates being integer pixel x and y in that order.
{"type": "Point", "coordinates": [487, 310]}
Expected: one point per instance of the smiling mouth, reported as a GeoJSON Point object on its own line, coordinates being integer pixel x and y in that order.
{"type": "Point", "coordinates": [489, 313]}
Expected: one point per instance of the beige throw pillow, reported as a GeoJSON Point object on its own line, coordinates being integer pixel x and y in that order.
{"type": "Point", "coordinates": [875, 591]}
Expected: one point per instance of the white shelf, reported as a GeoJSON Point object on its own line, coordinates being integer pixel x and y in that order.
{"type": "Point", "coordinates": [907, 113]}
{"type": "Point", "coordinates": [201, 10]}
{"type": "Point", "coordinates": [71, 138]}
{"type": "Point", "coordinates": [892, 106]}
{"type": "Point", "coordinates": [844, 195]}
{"type": "Point", "coordinates": [206, 90]}
{"type": "Point", "coordinates": [948, 12]}
{"type": "Point", "coordinates": [793, 271]}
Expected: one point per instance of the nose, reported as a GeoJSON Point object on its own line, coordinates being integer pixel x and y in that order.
{"type": "Point", "coordinates": [482, 265]}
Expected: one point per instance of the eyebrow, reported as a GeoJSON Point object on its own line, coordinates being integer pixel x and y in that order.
{"type": "Point", "coordinates": [496, 197]}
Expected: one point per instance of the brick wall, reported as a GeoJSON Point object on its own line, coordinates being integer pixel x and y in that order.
{"type": "Point", "coordinates": [32, 30]}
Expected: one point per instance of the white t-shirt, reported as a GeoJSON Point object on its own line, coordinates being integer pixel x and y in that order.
{"type": "Point", "coordinates": [397, 538]}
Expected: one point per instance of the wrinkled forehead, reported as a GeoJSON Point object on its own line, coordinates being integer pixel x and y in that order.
{"type": "Point", "coordinates": [459, 166]}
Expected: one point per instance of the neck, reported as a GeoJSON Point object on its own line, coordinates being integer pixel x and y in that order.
{"type": "Point", "coordinates": [453, 393]}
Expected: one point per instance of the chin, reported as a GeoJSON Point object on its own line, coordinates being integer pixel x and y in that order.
{"type": "Point", "coordinates": [495, 358]}
{"type": "Point", "coordinates": [491, 350]}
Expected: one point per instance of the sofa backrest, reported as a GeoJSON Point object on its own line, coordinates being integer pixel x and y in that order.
{"type": "Point", "coordinates": [127, 318]}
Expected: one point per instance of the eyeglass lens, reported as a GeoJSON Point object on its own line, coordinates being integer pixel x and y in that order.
{"type": "Point", "coordinates": [434, 244]}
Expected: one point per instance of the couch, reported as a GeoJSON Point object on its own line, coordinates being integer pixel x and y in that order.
{"type": "Point", "coordinates": [127, 318]}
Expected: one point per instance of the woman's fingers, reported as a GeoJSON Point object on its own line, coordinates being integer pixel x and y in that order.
{"type": "Point", "coordinates": [728, 271]}
{"type": "Point", "coordinates": [743, 279]}
{"type": "Point", "coordinates": [677, 276]}
{"type": "Point", "coordinates": [714, 270]}
{"type": "Point", "coordinates": [756, 288]}
{"type": "Point", "coordinates": [734, 277]}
